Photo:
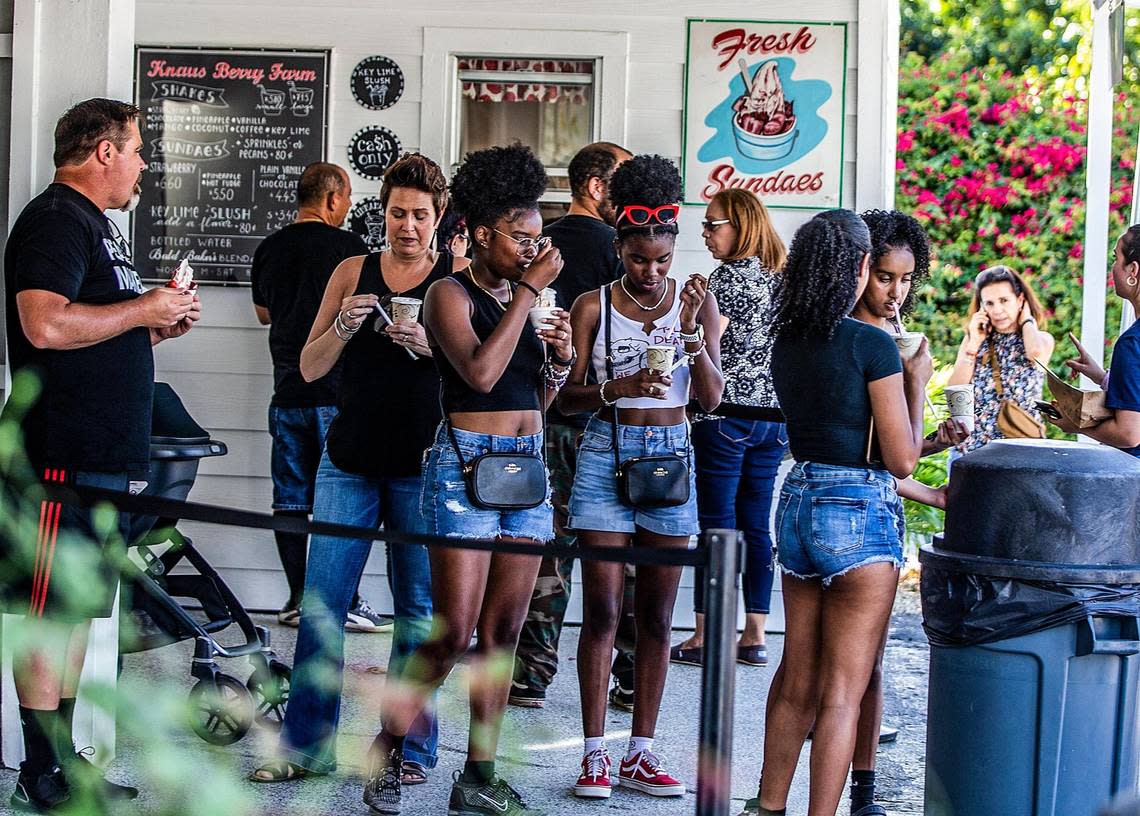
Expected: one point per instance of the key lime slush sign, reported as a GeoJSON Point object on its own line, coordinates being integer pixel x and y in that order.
{"type": "Point", "coordinates": [764, 110]}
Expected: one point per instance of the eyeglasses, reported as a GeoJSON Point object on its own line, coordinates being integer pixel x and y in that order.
{"type": "Point", "coordinates": [527, 246]}
{"type": "Point", "coordinates": [640, 215]}
{"type": "Point", "coordinates": [711, 226]}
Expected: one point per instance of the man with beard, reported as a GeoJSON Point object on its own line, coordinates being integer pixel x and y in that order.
{"type": "Point", "coordinates": [585, 237]}
{"type": "Point", "coordinates": [79, 323]}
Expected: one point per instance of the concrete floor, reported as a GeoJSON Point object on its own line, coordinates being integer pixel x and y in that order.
{"type": "Point", "coordinates": [540, 748]}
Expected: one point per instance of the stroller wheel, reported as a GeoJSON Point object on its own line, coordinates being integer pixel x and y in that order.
{"type": "Point", "coordinates": [221, 710]}
{"type": "Point", "coordinates": [269, 687]}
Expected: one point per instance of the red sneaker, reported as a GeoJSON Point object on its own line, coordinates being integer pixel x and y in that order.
{"type": "Point", "coordinates": [643, 772]}
{"type": "Point", "coordinates": [594, 783]}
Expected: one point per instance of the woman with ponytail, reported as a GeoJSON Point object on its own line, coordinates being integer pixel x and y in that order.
{"type": "Point", "coordinates": [619, 330]}
{"type": "Point", "coordinates": [838, 527]}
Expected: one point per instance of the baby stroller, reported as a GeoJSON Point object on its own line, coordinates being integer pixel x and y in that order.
{"type": "Point", "coordinates": [222, 708]}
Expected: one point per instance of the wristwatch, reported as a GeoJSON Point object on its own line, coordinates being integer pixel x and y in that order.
{"type": "Point", "coordinates": [695, 337]}
{"type": "Point", "coordinates": [558, 361]}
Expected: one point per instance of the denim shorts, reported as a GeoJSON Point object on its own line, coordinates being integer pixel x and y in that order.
{"type": "Point", "coordinates": [298, 442]}
{"type": "Point", "coordinates": [833, 519]}
{"type": "Point", "coordinates": [448, 511]}
{"type": "Point", "coordinates": [594, 502]}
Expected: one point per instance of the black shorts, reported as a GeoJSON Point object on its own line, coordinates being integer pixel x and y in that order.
{"type": "Point", "coordinates": [63, 561]}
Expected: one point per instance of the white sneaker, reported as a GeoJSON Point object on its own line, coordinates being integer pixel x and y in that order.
{"type": "Point", "coordinates": [363, 618]}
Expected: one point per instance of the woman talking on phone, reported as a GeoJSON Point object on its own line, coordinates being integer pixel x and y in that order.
{"type": "Point", "coordinates": [628, 334]}
{"type": "Point", "coordinates": [484, 476]}
{"type": "Point", "coordinates": [1004, 339]}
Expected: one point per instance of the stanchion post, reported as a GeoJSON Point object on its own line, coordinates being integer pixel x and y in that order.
{"type": "Point", "coordinates": [718, 672]}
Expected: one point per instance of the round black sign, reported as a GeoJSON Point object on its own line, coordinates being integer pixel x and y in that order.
{"type": "Point", "coordinates": [372, 151]}
{"type": "Point", "coordinates": [377, 83]}
{"type": "Point", "coordinates": [366, 219]}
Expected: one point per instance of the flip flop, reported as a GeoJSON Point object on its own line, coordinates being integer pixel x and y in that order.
{"type": "Point", "coordinates": [279, 770]}
{"type": "Point", "coordinates": [412, 773]}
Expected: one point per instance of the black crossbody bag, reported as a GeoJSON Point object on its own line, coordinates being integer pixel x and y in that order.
{"type": "Point", "coordinates": [504, 481]}
{"type": "Point", "coordinates": [644, 482]}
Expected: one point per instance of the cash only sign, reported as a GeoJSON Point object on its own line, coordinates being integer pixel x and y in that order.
{"type": "Point", "coordinates": [764, 110]}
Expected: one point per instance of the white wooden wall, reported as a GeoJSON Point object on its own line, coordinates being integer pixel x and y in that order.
{"type": "Point", "coordinates": [222, 369]}
{"type": "Point", "coordinates": [5, 133]}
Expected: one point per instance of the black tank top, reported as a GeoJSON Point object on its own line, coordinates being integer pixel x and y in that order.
{"type": "Point", "coordinates": [517, 389]}
{"type": "Point", "coordinates": [388, 403]}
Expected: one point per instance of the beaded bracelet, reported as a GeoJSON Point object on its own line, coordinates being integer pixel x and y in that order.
{"type": "Point", "coordinates": [555, 379]}
{"type": "Point", "coordinates": [602, 393]}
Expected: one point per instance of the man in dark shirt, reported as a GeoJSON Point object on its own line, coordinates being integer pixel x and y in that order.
{"type": "Point", "coordinates": [291, 269]}
{"type": "Point", "coordinates": [79, 324]}
{"type": "Point", "coordinates": [585, 237]}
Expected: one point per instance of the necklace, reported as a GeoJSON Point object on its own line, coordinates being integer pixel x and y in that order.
{"type": "Point", "coordinates": [492, 295]}
{"type": "Point", "coordinates": [652, 308]}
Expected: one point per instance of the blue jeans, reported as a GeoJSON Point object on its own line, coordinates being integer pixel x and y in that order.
{"type": "Point", "coordinates": [335, 564]}
{"type": "Point", "coordinates": [834, 519]}
{"type": "Point", "coordinates": [298, 441]}
{"type": "Point", "coordinates": [737, 462]}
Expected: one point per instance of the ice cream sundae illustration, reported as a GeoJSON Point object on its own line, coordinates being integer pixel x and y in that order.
{"type": "Point", "coordinates": [764, 120]}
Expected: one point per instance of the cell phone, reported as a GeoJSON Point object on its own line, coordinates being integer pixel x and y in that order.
{"type": "Point", "coordinates": [1048, 410]}
{"type": "Point", "coordinates": [874, 454]}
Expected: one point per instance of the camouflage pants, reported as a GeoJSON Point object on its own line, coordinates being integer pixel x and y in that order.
{"type": "Point", "coordinates": [536, 660]}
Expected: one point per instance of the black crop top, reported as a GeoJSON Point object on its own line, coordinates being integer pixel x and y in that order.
{"type": "Point", "coordinates": [822, 388]}
{"type": "Point", "coordinates": [387, 403]}
{"type": "Point", "coordinates": [517, 389]}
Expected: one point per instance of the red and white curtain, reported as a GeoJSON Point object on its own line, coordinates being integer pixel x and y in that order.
{"type": "Point", "coordinates": [512, 90]}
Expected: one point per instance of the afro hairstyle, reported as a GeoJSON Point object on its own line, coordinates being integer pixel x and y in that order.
{"type": "Point", "coordinates": [890, 230]}
{"type": "Point", "coordinates": [650, 181]}
{"type": "Point", "coordinates": [497, 182]}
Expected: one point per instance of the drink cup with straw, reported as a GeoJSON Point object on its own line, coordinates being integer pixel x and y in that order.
{"type": "Point", "coordinates": [909, 343]}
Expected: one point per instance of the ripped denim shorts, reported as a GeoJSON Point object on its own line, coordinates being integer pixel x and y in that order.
{"type": "Point", "coordinates": [443, 501]}
{"type": "Point", "coordinates": [833, 519]}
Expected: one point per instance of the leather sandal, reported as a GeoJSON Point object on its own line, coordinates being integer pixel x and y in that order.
{"type": "Point", "coordinates": [279, 770]}
{"type": "Point", "coordinates": [687, 657]}
{"type": "Point", "coordinates": [412, 773]}
{"type": "Point", "coordinates": [752, 655]}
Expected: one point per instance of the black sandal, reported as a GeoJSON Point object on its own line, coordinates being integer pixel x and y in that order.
{"type": "Point", "coordinates": [870, 810]}
{"type": "Point", "coordinates": [412, 773]}
{"type": "Point", "coordinates": [279, 770]}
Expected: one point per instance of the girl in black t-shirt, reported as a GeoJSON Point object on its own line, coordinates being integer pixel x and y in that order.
{"type": "Point", "coordinates": [837, 526]}
{"type": "Point", "coordinates": [495, 387]}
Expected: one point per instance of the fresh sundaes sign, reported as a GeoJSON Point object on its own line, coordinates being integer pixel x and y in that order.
{"type": "Point", "coordinates": [764, 110]}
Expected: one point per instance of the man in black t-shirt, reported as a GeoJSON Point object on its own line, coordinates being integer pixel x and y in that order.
{"type": "Point", "coordinates": [291, 269]}
{"type": "Point", "coordinates": [79, 323]}
{"type": "Point", "coordinates": [585, 237]}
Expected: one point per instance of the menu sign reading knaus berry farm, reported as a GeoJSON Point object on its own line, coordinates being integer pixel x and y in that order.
{"type": "Point", "coordinates": [764, 110]}
{"type": "Point", "coordinates": [226, 134]}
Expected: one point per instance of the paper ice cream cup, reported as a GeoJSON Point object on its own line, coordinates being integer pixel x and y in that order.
{"type": "Point", "coordinates": [405, 310]}
{"type": "Point", "coordinates": [909, 343]}
{"type": "Point", "coordinates": [660, 358]}
{"type": "Point", "coordinates": [541, 317]}
{"type": "Point", "coordinates": [960, 401]}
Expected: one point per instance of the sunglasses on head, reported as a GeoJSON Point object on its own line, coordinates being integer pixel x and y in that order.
{"type": "Point", "coordinates": [640, 215]}
{"type": "Point", "coordinates": [997, 274]}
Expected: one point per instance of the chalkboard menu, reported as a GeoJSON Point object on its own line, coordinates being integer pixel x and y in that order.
{"type": "Point", "coordinates": [226, 135]}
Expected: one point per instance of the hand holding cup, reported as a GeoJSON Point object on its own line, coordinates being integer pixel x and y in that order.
{"type": "Point", "coordinates": [555, 332]}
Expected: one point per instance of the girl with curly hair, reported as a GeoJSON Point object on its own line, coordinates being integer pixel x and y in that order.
{"type": "Point", "coordinates": [837, 525]}
{"type": "Point", "coordinates": [498, 375]}
{"type": "Point", "coordinates": [615, 329]}
{"type": "Point", "coordinates": [367, 475]}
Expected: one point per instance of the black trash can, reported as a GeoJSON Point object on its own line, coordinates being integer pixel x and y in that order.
{"type": "Point", "coordinates": [1031, 602]}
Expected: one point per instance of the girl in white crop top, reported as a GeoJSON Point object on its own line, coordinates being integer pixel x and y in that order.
{"type": "Point", "coordinates": [648, 308]}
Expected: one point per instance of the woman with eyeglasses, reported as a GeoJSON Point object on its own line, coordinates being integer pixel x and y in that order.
{"type": "Point", "coordinates": [1004, 340]}
{"type": "Point", "coordinates": [738, 453]}
{"type": "Point", "coordinates": [837, 525]}
{"type": "Point", "coordinates": [626, 335]}
{"type": "Point", "coordinates": [369, 476]}
{"type": "Point", "coordinates": [499, 374]}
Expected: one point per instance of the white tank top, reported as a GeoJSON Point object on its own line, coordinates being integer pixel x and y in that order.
{"type": "Point", "coordinates": [630, 343]}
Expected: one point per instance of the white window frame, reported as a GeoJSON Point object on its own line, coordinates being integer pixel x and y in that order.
{"type": "Point", "coordinates": [439, 120]}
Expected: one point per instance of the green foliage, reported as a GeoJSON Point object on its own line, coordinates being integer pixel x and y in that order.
{"type": "Point", "coordinates": [923, 521]}
{"type": "Point", "coordinates": [993, 167]}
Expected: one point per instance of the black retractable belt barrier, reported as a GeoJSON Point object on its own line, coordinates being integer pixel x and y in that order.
{"type": "Point", "coordinates": [228, 517]}
{"type": "Point", "coordinates": [718, 671]}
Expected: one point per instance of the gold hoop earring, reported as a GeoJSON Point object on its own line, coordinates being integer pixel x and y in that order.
{"type": "Point", "coordinates": [1131, 280]}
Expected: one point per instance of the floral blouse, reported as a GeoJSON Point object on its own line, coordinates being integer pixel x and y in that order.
{"type": "Point", "coordinates": [745, 292]}
{"type": "Point", "coordinates": [1022, 381]}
